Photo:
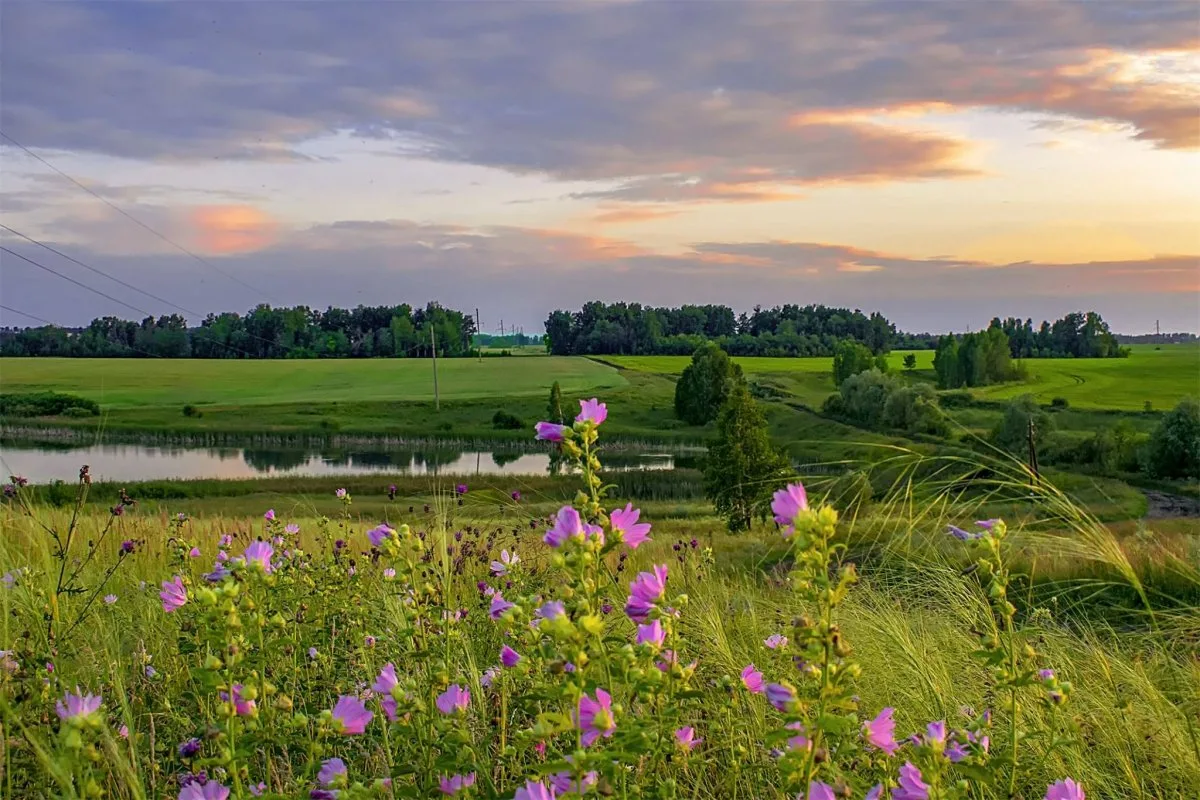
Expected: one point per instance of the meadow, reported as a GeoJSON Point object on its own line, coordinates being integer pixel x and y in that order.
{"type": "Point", "coordinates": [312, 651]}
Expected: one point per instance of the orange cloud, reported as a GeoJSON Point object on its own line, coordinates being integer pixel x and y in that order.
{"type": "Point", "coordinates": [229, 229]}
{"type": "Point", "coordinates": [623, 215]}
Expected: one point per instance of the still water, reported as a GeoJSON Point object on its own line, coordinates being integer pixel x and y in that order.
{"type": "Point", "coordinates": [42, 463]}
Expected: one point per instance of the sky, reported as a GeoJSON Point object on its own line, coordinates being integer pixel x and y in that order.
{"type": "Point", "coordinates": [942, 162]}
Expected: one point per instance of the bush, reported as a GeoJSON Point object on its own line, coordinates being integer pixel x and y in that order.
{"type": "Point", "coordinates": [191, 411]}
{"type": "Point", "coordinates": [958, 398]}
{"type": "Point", "coordinates": [1059, 404]}
{"type": "Point", "coordinates": [44, 404]}
{"type": "Point", "coordinates": [504, 421]}
{"type": "Point", "coordinates": [851, 358]}
{"type": "Point", "coordinates": [1174, 450]}
{"type": "Point", "coordinates": [874, 400]}
{"type": "Point", "coordinates": [76, 412]}
{"type": "Point", "coordinates": [1012, 432]}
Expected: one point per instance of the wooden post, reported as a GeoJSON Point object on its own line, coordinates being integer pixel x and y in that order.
{"type": "Point", "coordinates": [1033, 463]}
{"type": "Point", "coordinates": [437, 403]}
{"type": "Point", "coordinates": [479, 351]}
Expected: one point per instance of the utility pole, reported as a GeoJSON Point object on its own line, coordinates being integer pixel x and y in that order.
{"type": "Point", "coordinates": [437, 403]}
{"type": "Point", "coordinates": [478, 331]}
{"type": "Point", "coordinates": [1033, 463]}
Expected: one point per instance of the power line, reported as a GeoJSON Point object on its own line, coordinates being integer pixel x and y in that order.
{"type": "Point", "coordinates": [135, 220]}
{"type": "Point", "coordinates": [69, 279]}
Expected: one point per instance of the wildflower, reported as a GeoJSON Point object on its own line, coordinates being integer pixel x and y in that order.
{"type": "Point", "coordinates": [961, 535]}
{"type": "Point", "coordinates": [781, 696]}
{"type": "Point", "coordinates": [552, 610]}
{"type": "Point", "coordinates": [752, 679]}
{"type": "Point", "coordinates": [625, 523]}
{"type": "Point", "coordinates": [549, 432]}
{"type": "Point", "coordinates": [1046, 674]}
{"type": "Point", "coordinates": [259, 553]}
{"type": "Point", "coordinates": [775, 641]}
{"type": "Point", "coordinates": [564, 782]}
{"type": "Point", "coordinates": [128, 546]}
{"type": "Point", "coordinates": [109, 599]}
{"type": "Point", "coordinates": [350, 716]}
{"type": "Point", "coordinates": [77, 706]}
{"type": "Point", "coordinates": [241, 706]}
{"type": "Point", "coordinates": [312, 652]}
{"type": "Point", "coordinates": [499, 606]}
{"type": "Point", "coordinates": [956, 752]}
{"type": "Point", "coordinates": [10, 580]}
{"type": "Point", "coordinates": [456, 698]}
{"type": "Point", "coordinates": [594, 717]}
{"type": "Point", "coordinates": [509, 657]}
{"type": "Point", "coordinates": [209, 790]}
{"type": "Point", "coordinates": [800, 741]}
{"type": "Point", "coordinates": [257, 789]}
{"type": "Point", "coordinates": [820, 791]}
{"type": "Point", "coordinates": [460, 489]}
{"type": "Point", "coordinates": [880, 732]}
{"type": "Point", "coordinates": [987, 524]}
{"type": "Point", "coordinates": [911, 786]}
{"type": "Point", "coordinates": [506, 562]}
{"type": "Point", "coordinates": [220, 572]}
{"type": "Point", "coordinates": [173, 594]}
{"type": "Point", "coordinates": [516, 496]}
{"type": "Point", "coordinates": [270, 515]}
{"type": "Point", "coordinates": [787, 505]}
{"type": "Point", "coordinates": [389, 573]}
{"type": "Point", "coordinates": [874, 792]}
{"type": "Point", "coordinates": [291, 528]}
{"type": "Point", "coordinates": [150, 671]}
{"type": "Point", "coordinates": [592, 411]}
{"type": "Point", "coordinates": [646, 590]}
{"type": "Point", "coordinates": [189, 748]}
{"type": "Point", "coordinates": [332, 771]}
{"type": "Point", "coordinates": [686, 738]}
{"type": "Point", "coordinates": [936, 732]}
{"type": "Point", "coordinates": [369, 640]}
{"type": "Point", "coordinates": [489, 677]}
{"type": "Point", "coordinates": [455, 783]}
{"type": "Point", "coordinates": [534, 790]}
{"type": "Point", "coordinates": [340, 494]}
{"type": "Point", "coordinates": [1065, 789]}
{"type": "Point", "coordinates": [323, 794]}
{"type": "Point", "coordinates": [651, 633]}
{"type": "Point", "coordinates": [226, 540]}
{"type": "Point", "coordinates": [568, 525]}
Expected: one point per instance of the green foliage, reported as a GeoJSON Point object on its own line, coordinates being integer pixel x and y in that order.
{"type": "Point", "coordinates": [1012, 432]}
{"type": "Point", "coordinates": [46, 404]}
{"type": "Point", "coordinates": [505, 421]}
{"type": "Point", "coordinates": [554, 409]}
{"type": "Point", "coordinates": [1060, 404]}
{"type": "Point", "coordinates": [851, 358]}
{"type": "Point", "coordinates": [873, 400]}
{"type": "Point", "coordinates": [1174, 450]}
{"type": "Point", "coordinates": [742, 468]}
{"type": "Point", "coordinates": [976, 359]}
{"type": "Point", "coordinates": [910, 361]}
{"type": "Point", "coordinates": [705, 385]}
{"type": "Point", "coordinates": [190, 410]}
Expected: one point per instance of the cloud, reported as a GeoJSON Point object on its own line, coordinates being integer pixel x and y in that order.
{"type": "Point", "coordinates": [222, 230]}
{"type": "Point", "coordinates": [629, 214]}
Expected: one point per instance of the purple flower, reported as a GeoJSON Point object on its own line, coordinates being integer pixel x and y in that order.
{"type": "Point", "coordinates": [956, 752]}
{"type": "Point", "coordinates": [506, 562]}
{"type": "Point", "coordinates": [220, 572]}
{"type": "Point", "coordinates": [128, 546]}
{"type": "Point", "coordinates": [257, 789]}
{"type": "Point", "coordinates": [189, 748]}
{"type": "Point", "coordinates": [456, 698]}
{"type": "Point", "coordinates": [781, 696]}
{"type": "Point", "coordinates": [911, 786]}
{"type": "Point", "coordinates": [489, 677]}
{"type": "Point", "coordinates": [874, 792]}
{"type": "Point", "coordinates": [1046, 674]}
{"type": "Point", "coordinates": [1065, 789]}
{"type": "Point", "coordinates": [109, 599]}
{"type": "Point", "coordinates": [74, 706]}
{"type": "Point", "coordinates": [652, 634]}
{"type": "Point", "coordinates": [552, 610]}
{"type": "Point", "coordinates": [331, 770]}
{"type": "Point", "coordinates": [534, 790]}
{"type": "Point", "coordinates": [369, 640]}
{"type": "Point", "coordinates": [625, 522]}
{"type": "Point", "coordinates": [987, 524]}
{"type": "Point", "coordinates": [686, 738]}
{"type": "Point", "coordinates": [455, 783]}
{"type": "Point", "coordinates": [383, 685]}
{"type": "Point", "coordinates": [259, 553]}
{"type": "Point", "coordinates": [646, 590]}
{"type": "Point", "coordinates": [323, 794]}
{"type": "Point", "coordinates": [350, 716]}
{"type": "Point", "coordinates": [241, 706]}
{"type": "Point", "coordinates": [380, 535]}
{"type": "Point", "coordinates": [775, 641]}
{"type": "Point", "coordinates": [340, 494]}
{"type": "Point", "coordinates": [752, 679]}
{"type": "Point", "coordinates": [516, 496]}
{"type": "Point", "coordinates": [787, 505]}
{"type": "Point", "coordinates": [820, 791]}
{"type": "Point", "coordinates": [567, 525]}
{"type": "Point", "coordinates": [291, 528]}
{"type": "Point", "coordinates": [800, 741]}
{"type": "Point", "coordinates": [499, 606]}
{"type": "Point", "coordinates": [226, 540]}
{"type": "Point", "coordinates": [594, 717]}
{"type": "Point", "coordinates": [880, 732]}
{"type": "Point", "coordinates": [389, 573]}
{"type": "Point", "coordinates": [592, 411]}
{"type": "Point", "coordinates": [961, 535]}
{"type": "Point", "coordinates": [549, 432]}
{"type": "Point", "coordinates": [509, 657]}
{"type": "Point", "coordinates": [210, 790]}
{"type": "Point", "coordinates": [564, 782]}
{"type": "Point", "coordinates": [270, 515]}
{"type": "Point", "coordinates": [194, 552]}
{"type": "Point", "coordinates": [936, 732]}
{"type": "Point", "coordinates": [460, 489]}
{"type": "Point", "coordinates": [173, 594]}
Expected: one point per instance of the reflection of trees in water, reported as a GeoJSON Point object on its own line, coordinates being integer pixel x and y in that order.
{"type": "Point", "coordinates": [381, 459]}
{"type": "Point", "coordinates": [265, 460]}
{"type": "Point", "coordinates": [559, 463]}
{"type": "Point", "coordinates": [436, 459]}
{"type": "Point", "coordinates": [503, 459]}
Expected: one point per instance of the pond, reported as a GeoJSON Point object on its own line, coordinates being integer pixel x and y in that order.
{"type": "Point", "coordinates": [44, 462]}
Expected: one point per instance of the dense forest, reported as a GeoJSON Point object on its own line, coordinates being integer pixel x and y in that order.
{"type": "Point", "coordinates": [1076, 335]}
{"type": "Point", "coordinates": [263, 332]}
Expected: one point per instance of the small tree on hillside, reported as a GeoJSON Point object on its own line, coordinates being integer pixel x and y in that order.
{"type": "Point", "coordinates": [705, 385]}
{"type": "Point", "coordinates": [910, 361]}
{"type": "Point", "coordinates": [554, 407]}
{"type": "Point", "coordinates": [742, 468]}
{"type": "Point", "coordinates": [851, 358]}
{"type": "Point", "coordinates": [1174, 450]}
{"type": "Point", "coordinates": [1012, 433]}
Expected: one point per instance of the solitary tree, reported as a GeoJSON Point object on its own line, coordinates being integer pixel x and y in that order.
{"type": "Point", "coordinates": [1174, 450]}
{"type": "Point", "coordinates": [742, 468]}
{"type": "Point", "coordinates": [705, 385]}
{"type": "Point", "coordinates": [910, 361]}
{"type": "Point", "coordinates": [851, 358]}
{"type": "Point", "coordinates": [554, 410]}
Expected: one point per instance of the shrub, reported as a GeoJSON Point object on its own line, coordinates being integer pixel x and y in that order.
{"type": "Point", "coordinates": [76, 412]}
{"type": "Point", "coordinates": [504, 421]}
{"type": "Point", "coordinates": [851, 358]}
{"type": "Point", "coordinates": [44, 404]}
{"type": "Point", "coordinates": [1174, 450]}
{"type": "Point", "coordinates": [874, 400]}
{"type": "Point", "coordinates": [191, 411]}
{"type": "Point", "coordinates": [1012, 432]}
{"type": "Point", "coordinates": [1059, 404]}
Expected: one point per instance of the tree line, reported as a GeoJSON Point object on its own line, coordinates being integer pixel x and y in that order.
{"type": "Point", "coordinates": [263, 332]}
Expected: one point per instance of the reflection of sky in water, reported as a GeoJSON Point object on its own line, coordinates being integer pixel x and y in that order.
{"type": "Point", "coordinates": [137, 462]}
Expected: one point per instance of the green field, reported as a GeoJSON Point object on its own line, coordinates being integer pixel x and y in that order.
{"type": "Point", "coordinates": [148, 383]}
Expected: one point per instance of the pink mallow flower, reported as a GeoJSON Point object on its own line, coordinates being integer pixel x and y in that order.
{"type": "Point", "coordinates": [509, 657]}
{"type": "Point", "coordinates": [241, 706]}
{"type": "Point", "coordinates": [646, 590]}
{"type": "Point", "coordinates": [818, 790]}
{"type": "Point", "coordinates": [686, 738]}
{"type": "Point", "coordinates": [787, 505]}
{"type": "Point", "coordinates": [455, 783]}
{"type": "Point", "coordinates": [350, 716]}
{"type": "Point", "coordinates": [499, 606]}
{"type": "Point", "coordinates": [380, 535]}
{"type": "Point", "coordinates": [259, 553]}
{"type": "Point", "coordinates": [173, 594]}
{"type": "Point", "coordinates": [880, 732]}
{"type": "Point", "coordinates": [209, 790]}
{"type": "Point", "coordinates": [456, 698]}
{"type": "Point", "coordinates": [800, 741]}
{"type": "Point", "coordinates": [592, 411]}
{"type": "Point", "coordinates": [549, 432]}
{"type": "Point", "coordinates": [507, 561]}
{"type": "Point", "coordinates": [564, 782]}
{"type": "Point", "coordinates": [776, 641]}
{"type": "Point", "coordinates": [752, 679]}
{"type": "Point", "coordinates": [270, 515]}
{"type": "Point", "coordinates": [194, 552]}
{"type": "Point", "coordinates": [651, 633]}
{"type": "Point", "coordinates": [77, 705]}
{"type": "Point", "coordinates": [1065, 789]}
{"type": "Point", "coordinates": [568, 526]}
{"type": "Point", "coordinates": [383, 686]}
{"type": "Point", "coordinates": [595, 718]}
{"type": "Point", "coordinates": [625, 523]}
{"type": "Point", "coordinates": [781, 696]}
{"type": "Point", "coordinates": [535, 790]}
{"type": "Point", "coordinates": [911, 787]}
{"type": "Point", "coordinates": [332, 771]}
